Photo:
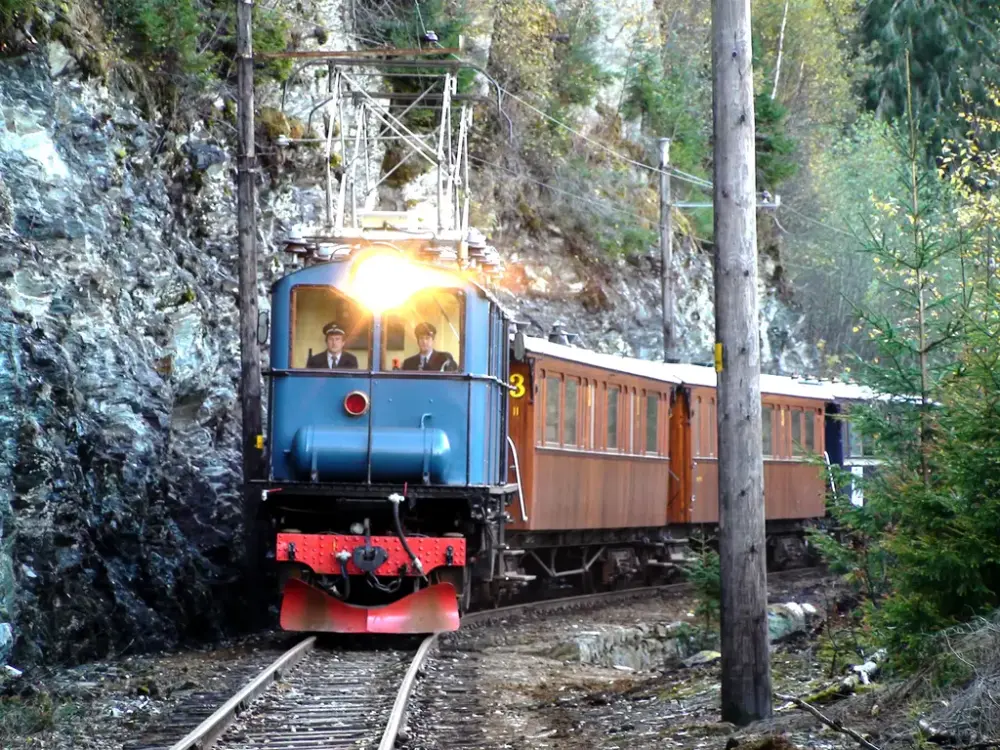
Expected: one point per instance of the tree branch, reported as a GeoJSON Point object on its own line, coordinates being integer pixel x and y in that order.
{"type": "Point", "coordinates": [829, 722]}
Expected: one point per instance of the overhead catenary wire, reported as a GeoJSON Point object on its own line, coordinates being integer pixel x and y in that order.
{"type": "Point", "coordinates": [671, 170]}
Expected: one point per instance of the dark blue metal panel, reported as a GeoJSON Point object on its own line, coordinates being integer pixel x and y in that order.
{"type": "Point", "coordinates": [424, 403]}
{"type": "Point", "coordinates": [305, 400]}
{"type": "Point", "coordinates": [834, 437]}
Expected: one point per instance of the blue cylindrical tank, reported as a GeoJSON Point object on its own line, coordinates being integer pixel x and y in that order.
{"type": "Point", "coordinates": [398, 453]}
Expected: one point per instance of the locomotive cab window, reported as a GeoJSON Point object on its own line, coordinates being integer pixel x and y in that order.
{"type": "Point", "coordinates": [329, 330]}
{"type": "Point", "coordinates": [425, 333]}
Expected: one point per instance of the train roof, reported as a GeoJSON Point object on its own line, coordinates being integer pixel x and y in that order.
{"type": "Point", "coordinates": [612, 362]}
{"type": "Point", "coordinates": [699, 375]}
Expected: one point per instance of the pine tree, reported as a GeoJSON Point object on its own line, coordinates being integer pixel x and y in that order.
{"type": "Point", "coordinates": [954, 48]}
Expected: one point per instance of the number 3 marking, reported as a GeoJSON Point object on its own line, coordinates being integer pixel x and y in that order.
{"type": "Point", "coordinates": [517, 380]}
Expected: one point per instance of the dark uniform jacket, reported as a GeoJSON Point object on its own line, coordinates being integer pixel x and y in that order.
{"type": "Point", "coordinates": [347, 361]}
{"type": "Point", "coordinates": [438, 362]}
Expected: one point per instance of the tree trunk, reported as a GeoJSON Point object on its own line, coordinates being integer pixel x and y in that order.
{"type": "Point", "coordinates": [781, 49]}
{"type": "Point", "coordinates": [746, 671]}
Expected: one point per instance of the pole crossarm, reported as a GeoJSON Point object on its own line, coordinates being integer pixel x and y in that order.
{"type": "Point", "coordinates": [371, 55]}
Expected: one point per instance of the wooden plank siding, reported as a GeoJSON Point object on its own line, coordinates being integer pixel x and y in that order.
{"type": "Point", "coordinates": [792, 428]}
{"type": "Point", "coordinates": [581, 466]}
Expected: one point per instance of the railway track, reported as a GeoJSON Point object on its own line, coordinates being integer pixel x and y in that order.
{"type": "Point", "coordinates": [317, 698]}
{"type": "Point", "coordinates": [313, 698]}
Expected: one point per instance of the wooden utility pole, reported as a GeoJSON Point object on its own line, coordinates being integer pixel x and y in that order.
{"type": "Point", "coordinates": [746, 669]}
{"type": "Point", "coordinates": [247, 229]}
{"type": "Point", "coordinates": [666, 251]}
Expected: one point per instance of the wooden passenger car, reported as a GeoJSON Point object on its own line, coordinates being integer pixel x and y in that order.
{"type": "Point", "coordinates": [792, 421]}
{"type": "Point", "coordinates": [592, 437]}
{"type": "Point", "coordinates": [612, 443]}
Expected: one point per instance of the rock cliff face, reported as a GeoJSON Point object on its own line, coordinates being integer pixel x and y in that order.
{"type": "Point", "coordinates": [119, 455]}
{"type": "Point", "coordinates": [119, 458]}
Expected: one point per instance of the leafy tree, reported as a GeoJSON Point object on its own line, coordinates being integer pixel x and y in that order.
{"type": "Point", "coordinates": [671, 94]}
{"type": "Point", "coordinates": [579, 74]}
{"type": "Point", "coordinates": [828, 207]}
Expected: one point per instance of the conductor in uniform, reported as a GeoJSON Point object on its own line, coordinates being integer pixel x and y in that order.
{"type": "Point", "coordinates": [334, 358]}
{"type": "Point", "coordinates": [427, 358]}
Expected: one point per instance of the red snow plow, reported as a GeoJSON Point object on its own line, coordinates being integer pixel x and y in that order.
{"type": "Point", "coordinates": [348, 560]}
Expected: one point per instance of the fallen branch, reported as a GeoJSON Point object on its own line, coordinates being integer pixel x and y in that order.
{"type": "Point", "coordinates": [940, 736]}
{"type": "Point", "coordinates": [829, 722]}
{"type": "Point", "coordinates": [861, 676]}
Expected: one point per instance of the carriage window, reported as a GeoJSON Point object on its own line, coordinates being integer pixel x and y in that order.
{"type": "Point", "coordinates": [329, 330]}
{"type": "Point", "coordinates": [590, 408]}
{"type": "Point", "coordinates": [572, 407]}
{"type": "Point", "coordinates": [652, 413]}
{"type": "Point", "coordinates": [425, 333]}
{"type": "Point", "coordinates": [766, 432]}
{"type": "Point", "coordinates": [798, 449]}
{"type": "Point", "coordinates": [855, 445]}
{"type": "Point", "coordinates": [810, 431]}
{"type": "Point", "coordinates": [696, 426]}
{"type": "Point", "coordinates": [713, 427]}
{"type": "Point", "coordinates": [552, 410]}
{"type": "Point", "coordinates": [633, 419]}
{"type": "Point", "coordinates": [613, 417]}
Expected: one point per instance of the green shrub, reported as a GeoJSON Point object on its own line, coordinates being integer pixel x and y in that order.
{"type": "Point", "coordinates": [775, 149]}
{"type": "Point", "coordinates": [192, 41]}
{"type": "Point", "coordinates": [705, 574]}
{"type": "Point", "coordinates": [673, 98]}
{"type": "Point", "coordinates": [11, 11]}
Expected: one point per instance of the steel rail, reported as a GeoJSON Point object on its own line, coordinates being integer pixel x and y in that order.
{"type": "Point", "coordinates": [211, 729]}
{"type": "Point", "coordinates": [206, 733]}
{"type": "Point", "coordinates": [542, 605]}
{"type": "Point", "coordinates": [403, 694]}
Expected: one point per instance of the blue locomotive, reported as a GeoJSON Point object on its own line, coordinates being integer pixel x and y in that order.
{"type": "Point", "coordinates": [386, 444]}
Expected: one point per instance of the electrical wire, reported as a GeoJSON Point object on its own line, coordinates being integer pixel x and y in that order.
{"type": "Point", "coordinates": [576, 196]}
{"type": "Point", "coordinates": [817, 222]}
{"type": "Point", "coordinates": [420, 17]}
{"type": "Point", "coordinates": [673, 171]}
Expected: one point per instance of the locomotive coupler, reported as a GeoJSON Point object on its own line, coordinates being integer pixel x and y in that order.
{"type": "Point", "coordinates": [369, 558]}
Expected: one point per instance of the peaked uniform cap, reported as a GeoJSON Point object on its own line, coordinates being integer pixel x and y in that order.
{"type": "Point", "coordinates": [332, 328]}
{"type": "Point", "coordinates": [425, 329]}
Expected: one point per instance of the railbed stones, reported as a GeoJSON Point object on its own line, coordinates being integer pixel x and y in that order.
{"type": "Point", "coordinates": [644, 647]}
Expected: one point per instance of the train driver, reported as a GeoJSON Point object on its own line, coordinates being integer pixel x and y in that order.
{"type": "Point", "coordinates": [334, 358]}
{"type": "Point", "coordinates": [427, 358]}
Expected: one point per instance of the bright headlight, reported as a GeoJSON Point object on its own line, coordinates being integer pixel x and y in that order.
{"type": "Point", "coordinates": [383, 281]}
